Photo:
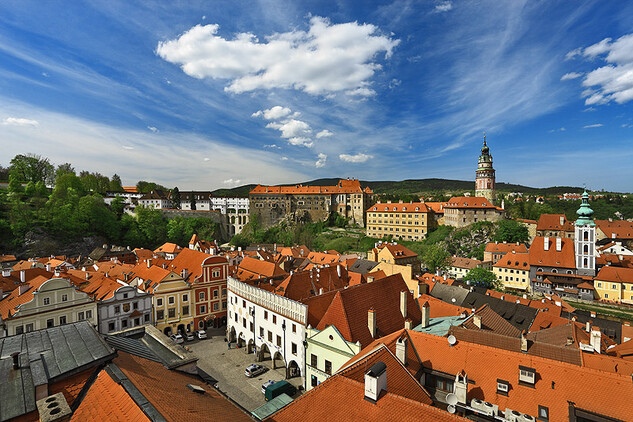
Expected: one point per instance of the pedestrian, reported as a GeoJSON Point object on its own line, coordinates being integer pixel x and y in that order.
{"type": "Point", "coordinates": [229, 345]}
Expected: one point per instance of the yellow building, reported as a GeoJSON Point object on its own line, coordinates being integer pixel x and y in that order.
{"type": "Point", "coordinates": [396, 255]}
{"type": "Point", "coordinates": [172, 297]}
{"type": "Point", "coordinates": [513, 271]}
{"type": "Point", "coordinates": [408, 221]}
{"type": "Point", "coordinates": [614, 284]}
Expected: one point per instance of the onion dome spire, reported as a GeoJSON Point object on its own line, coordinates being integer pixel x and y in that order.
{"type": "Point", "coordinates": [585, 213]}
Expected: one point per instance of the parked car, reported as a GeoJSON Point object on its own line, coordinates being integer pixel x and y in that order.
{"type": "Point", "coordinates": [279, 388]}
{"type": "Point", "coordinates": [266, 385]}
{"type": "Point", "coordinates": [177, 338]}
{"type": "Point", "coordinates": [201, 334]}
{"type": "Point", "coordinates": [189, 336]}
{"type": "Point", "coordinates": [254, 370]}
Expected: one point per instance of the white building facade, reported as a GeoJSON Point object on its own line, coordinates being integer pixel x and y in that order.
{"type": "Point", "coordinates": [271, 326]}
{"type": "Point", "coordinates": [129, 307]}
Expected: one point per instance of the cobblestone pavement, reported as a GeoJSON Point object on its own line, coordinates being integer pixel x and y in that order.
{"type": "Point", "coordinates": [227, 367]}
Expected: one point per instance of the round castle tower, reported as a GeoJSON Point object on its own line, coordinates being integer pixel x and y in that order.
{"type": "Point", "coordinates": [485, 175]}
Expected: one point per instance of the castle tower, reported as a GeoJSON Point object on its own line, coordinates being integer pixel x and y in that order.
{"type": "Point", "coordinates": [585, 239]}
{"type": "Point", "coordinates": [485, 175]}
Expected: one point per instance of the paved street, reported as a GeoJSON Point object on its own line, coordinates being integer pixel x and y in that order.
{"type": "Point", "coordinates": [227, 367]}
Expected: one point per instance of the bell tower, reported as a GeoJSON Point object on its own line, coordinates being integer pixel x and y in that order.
{"type": "Point", "coordinates": [585, 238]}
{"type": "Point", "coordinates": [485, 175]}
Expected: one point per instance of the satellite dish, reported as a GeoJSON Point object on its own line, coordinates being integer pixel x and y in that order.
{"type": "Point", "coordinates": [451, 399]}
{"type": "Point", "coordinates": [452, 340]}
{"type": "Point", "coordinates": [450, 408]}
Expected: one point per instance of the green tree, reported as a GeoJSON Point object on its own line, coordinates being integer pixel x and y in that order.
{"type": "Point", "coordinates": [32, 168]}
{"type": "Point", "coordinates": [115, 184]}
{"type": "Point", "coordinates": [482, 277]}
{"type": "Point", "coordinates": [62, 169]}
{"type": "Point", "coordinates": [511, 231]}
{"type": "Point", "coordinates": [175, 198]}
{"type": "Point", "coordinates": [118, 205]}
{"type": "Point", "coordinates": [152, 225]}
{"type": "Point", "coordinates": [436, 257]}
{"type": "Point", "coordinates": [15, 187]}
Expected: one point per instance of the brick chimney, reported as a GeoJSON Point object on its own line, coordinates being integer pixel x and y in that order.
{"type": "Point", "coordinates": [371, 322]}
{"type": "Point", "coordinates": [403, 303]}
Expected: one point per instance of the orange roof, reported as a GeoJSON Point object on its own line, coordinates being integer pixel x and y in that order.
{"type": "Point", "coordinates": [398, 251]}
{"type": "Point", "coordinates": [565, 258]}
{"type": "Point", "coordinates": [101, 287]}
{"type": "Point", "coordinates": [615, 274]}
{"type": "Point", "coordinates": [438, 308]}
{"type": "Point", "coordinates": [459, 262]}
{"type": "Point", "coordinates": [192, 261]}
{"type": "Point", "coordinates": [399, 207]}
{"type": "Point", "coordinates": [143, 254]}
{"type": "Point", "coordinates": [301, 285]}
{"type": "Point", "coordinates": [151, 276]}
{"type": "Point", "coordinates": [621, 228]}
{"type": "Point", "coordinates": [554, 222]}
{"type": "Point", "coordinates": [71, 386]}
{"type": "Point", "coordinates": [469, 202]}
{"type": "Point", "coordinates": [173, 399]}
{"type": "Point", "coordinates": [24, 265]}
{"type": "Point", "coordinates": [343, 186]}
{"type": "Point", "coordinates": [436, 207]}
{"type": "Point", "coordinates": [108, 400]}
{"type": "Point", "coordinates": [323, 258]}
{"type": "Point", "coordinates": [544, 320]}
{"type": "Point", "coordinates": [251, 268]}
{"type": "Point", "coordinates": [349, 307]}
{"type": "Point", "coordinates": [168, 248]}
{"type": "Point", "coordinates": [518, 261]}
{"type": "Point", "coordinates": [294, 251]}
{"type": "Point", "coordinates": [492, 321]}
{"type": "Point", "coordinates": [130, 189]}
{"type": "Point", "coordinates": [10, 303]}
{"type": "Point", "coordinates": [7, 258]}
{"type": "Point", "coordinates": [503, 247]}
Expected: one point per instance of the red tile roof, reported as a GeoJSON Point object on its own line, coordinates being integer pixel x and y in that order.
{"type": "Point", "coordinates": [469, 202]}
{"type": "Point", "coordinates": [252, 268]}
{"type": "Point", "coordinates": [518, 261]}
{"type": "Point", "coordinates": [564, 258]}
{"type": "Point", "coordinates": [170, 248]}
{"type": "Point", "coordinates": [399, 207]}
{"type": "Point", "coordinates": [343, 186]}
{"type": "Point", "coordinates": [491, 321]}
{"type": "Point", "coordinates": [108, 400]}
{"type": "Point", "coordinates": [301, 285]}
{"type": "Point", "coordinates": [615, 274]}
{"type": "Point", "coordinates": [191, 260]}
{"type": "Point", "coordinates": [436, 207]}
{"type": "Point", "coordinates": [439, 308]}
{"type": "Point", "coordinates": [469, 263]}
{"type": "Point", "coordinates": [621, 228]}
{"type": "Point", "coordinates": [553, 222]}
{"type": "Point", "coordinates": [503, 247]}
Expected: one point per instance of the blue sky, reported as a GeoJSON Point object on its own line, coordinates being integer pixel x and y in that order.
{"type": "Point", "coordinates": [203, 95]}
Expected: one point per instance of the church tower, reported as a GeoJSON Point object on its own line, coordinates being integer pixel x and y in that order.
{"type": "Point", "coordinates": [585, 239]}
{"type": "Point", "coordinates": [485, 175]}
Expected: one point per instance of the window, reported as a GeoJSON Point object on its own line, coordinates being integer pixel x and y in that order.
{"type": "Point", "coordinates": [294, 328]}
{"type": "Point", "coordinates": [279, 341]}
{"type": "Point", "coordinates": [203, 310]}
{"type": "Point", "coordinates": [124, 323]}
{"type": "Point", "coordinates": [137, 321]}
{"type": "Point", "coordinates": [185, 298]}
{"type": "Point", "coordinates": [266, 315]}
{"type": "Point", "coordinates": [171, 312]}
{"type": "Point", "coordinates": [543, 413]}
{"type": "Point", "coordinates": [224, 305]}
{"type": "Point", "coordinates": [47, 301]}
{"type": "Point", "coordinates": [159, 302]}
{"type": "Point", "coordinates": [201, 296]}
{"type": "Point", "coordinates": [88, 314]}
{"type": "Point", "coordinates": [270, 336]}
{"type": "Point", "coordinates": [62, 320]}
{"type": "Point", "coordinates": [243, 304]}
{"type": "Point", "coordinates": [160, 315]}
{"type": "Point", "coordinates": [274, 319]}
{"type": "Point", "coordinates": [171, 300]}
{"type": "Point", "coordinates": [223, 292]}
{"type": "Point", "coordinates": [215, 294]}
{"type": "Point", "coordinates": [599, 284]}
{"type": "Point", "coordinates": [244, 322]}
{"type": "Point", "coordinates": [252, 328]}
{"type": "Point", "coordinates": [294, 349]}
{"type": "Point", "coordinates": [146, 318]}
{"type": "Point", "coordinates": [313, 381]}
{"type": "Point", "coordinates": [29, 327]}
{"type": "Point", "coordinates": [80, 316]}
{"type": "Point", "coordinates": [50, 323]}
{"type": "Point", "coordinates": [124, 295]}
{"type": "Point", "coordinates": [117, 309]}
{"type": "Point", "coordinates": [135, 305]}
{"type": "Point", "coordinates": [185, 310]}
{"type": "Point", "coordinates": [328, 367]}
{"type": "Point", "coordinates": [261, 332]}
{"type": "Point", "coordinates": [64, 298]}
{"type": "Point", "coordinates": [503, 387]}
{"type": "Point", "coordinates": [19, 330]}
{"type": "Point", "coordinates": [313, 360]}
{"type": "Point", "coordinates": [216, 306]}
{"type": "Point", "coordinates": [527, 376]}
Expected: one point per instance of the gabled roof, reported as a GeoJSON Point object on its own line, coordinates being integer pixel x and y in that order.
{"type": "Point", "coordinates": [168, 247]}
{"type": "Point", "coordinates": [399, 207]}
{"type": "Point", "coordinates": [470, 202]}
{"type": "Point", "coordinates": [398, 251]}
{"type": "Point", "coordinates": [517, 261]}
{"type": "Point", "coordinates": [621, 228]}
{"type": "Point", "coordinates": [252, 268]}
{"type": "Point", "coordinates": [565, 258]}
{"type": "Point", "coordinates": [503, 247]}
{"type": "Point", "coordinates": [436, 207]}
{"type": "Point", "coordinates": [349, 307]}
{"type": "Point", "coordinates": [190, 260]}
{"type": "Point", "coordinates": [343, 186]}
{"type": "Point", "coordinates": [520, 316]}
{"type": "Point", "coordinates": [469, 263]}
{"type": "Point", "coordinates": [301, 285]}
{"type": "Point", "coordinates": [615, 274]}
{"type": "Point", "coordinates": [10, 304]}
{"type": "Point", "coordinates": [491, 321]}
{"type": "Point", "coordinates": [553, 222]}
{"type": "Point", "coordinates": [323, 258]}
{"type": "Point", "coordinates": [438, 308]}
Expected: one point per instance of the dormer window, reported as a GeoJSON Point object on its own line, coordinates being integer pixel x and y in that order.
{"type": "Point", "coordinates": [527, 376]}
{"type": "Point", "coordinates": [503, 387]}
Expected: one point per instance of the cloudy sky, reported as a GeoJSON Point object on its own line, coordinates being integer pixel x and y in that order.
{"type": "Point", "coordinates": [211, 94]}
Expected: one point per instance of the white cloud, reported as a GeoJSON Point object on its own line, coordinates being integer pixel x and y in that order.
{"type": "Point", "coordinates": [298, 140]}
{"type": "Point", "coordinates": [206, 159]}
{"type": "Point", "coordinates": [232, 182]}
{"type": "Point", "coordinates": [322, 158]}
{"type": "Point", "coordinates": [573, 53]}
{"type": "Point", "coordinates": [274, 113]}
{"type": "Point", "coordinates": [570, 75]}
{"type": "Point", "coordinates": [153, 129]}
{"type": "Point", "coordinates": [128, 147]}
{"type": "Point", "coordinates": [327, 58]}
{"type": "Point", "coordinates": [561, 129]}
{"type": "Point", "coordinates": [395, 83]}
{"type": "Point", "coordinates": [594, 125]}
{"type": "Point", "coordinates": [361, 92]}
{"type": "Point", "coordinates": [444, 6]}
{"type": "Point", "coordinates": [272, 146]}
{"type": "Point", "coordinates": [324, 134]}
{"type": "Point", "coordinates": [17, 121]}
{"type": "Point", "coordinates": [357, 158]}
{"type": "Point", "coordinates": [292, 128]}
{"type": "Point", "coordinates": [613, 81]}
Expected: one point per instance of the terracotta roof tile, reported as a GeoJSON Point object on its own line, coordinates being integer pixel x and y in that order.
{"type": "Point", "coordinates": [622, 229]}
{"type": "Point", "coordinates": [399, 207]}
{"type": "Point", "coordinates": [343, 186]}
{"type": "Point", "coordinates": [503, 247]}
{"type": "Point", "coordinates": [553, 222]}
{"type": "Point", "coordinates": [491, 321]}
{"type": "Point", "coordinates": [565, 258]}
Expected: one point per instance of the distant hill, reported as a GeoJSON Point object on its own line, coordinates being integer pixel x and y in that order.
{"type": "Point", "coordinates": [414, 186]}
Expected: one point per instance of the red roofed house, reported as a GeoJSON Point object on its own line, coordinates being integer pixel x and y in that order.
{"type": "Point", "coordinates": [554, 225]}
{"type": "Point", "coordinates": [495, 250]}
{"type": "Point", "coordinates": [461, 211]}
{"type": "Point", "coordinates": [406, 221]}
{"type": "Point", "coordinates": [614, 284]}
{"type": "Point", "coordinates": [614, 229]}
{"type": "Point", "coordinates": [513, 270]}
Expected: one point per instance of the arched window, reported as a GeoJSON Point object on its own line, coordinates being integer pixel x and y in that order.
{"type": "Point", "coordinates": [554, 270]}
{"type": "Point", "coordinates": [586, 262]}
{"type": "Point", "coordinates": [586, 235]}
{"type": "Point", "coordinates": [586, 249]}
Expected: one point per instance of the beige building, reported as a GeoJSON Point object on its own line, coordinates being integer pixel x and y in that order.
{"type": "Point", "coordinates": [461, 266]}
{"type": "Point", "coordinates": [392, 253]}
{"type": "Point", "coordinates": [513, 270]}
{"type": "Point", "coordinates": [44, 302]}
{"type": "Point", "coordinates": [461, 211]}
{"type": "Point", "coordinates": [410, 221]}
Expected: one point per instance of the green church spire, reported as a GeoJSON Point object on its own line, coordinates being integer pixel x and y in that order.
{"type": "Point", "coordinates": [585, 213]}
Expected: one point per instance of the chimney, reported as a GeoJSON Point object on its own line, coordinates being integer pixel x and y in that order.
{"type": "Point", "coordinates": [23, 288]}
{"type": "Point", "coordinates": [562, 220]}
{"type": "Point", "coordinates": [370, 279]}
{"type": "Point", "coordinates": [477, 321]}
{"type": "Point", "coordinates": [22, 276]}
{"type": "Point", "coordinates": [338, 271]}
{"type": "Point", "coordinates": [546, 243]}
{"type": "Point", "coordinates": [53, 408]}
{"type": "Point", "coordinates": [375, 381]}
{"type": "Point", "coordinates": [423, 288]}
{"type": "Point", "coordinates": [403, 303]}
{"type": "Point", "coordinates": [588, 327]}
{"type": "Point", "coordinates": [401, 349]}
{"type": "Point", "coordinates": [48, 267]}
{"type": "Point", "coordinates": [596, 340]}
{"type": "Point", "coordinates": [408, 324]}
{"type": "Point", "coordinates": [426, 313]}
{"type": "Point", "coordinates": [559, 244]}
{"type": "Point", "coordinates": [524, 342]}
{"type": "Point", "coordinates": [16, 360]}
{"type": "Point", "coordinates": [570, 341]}
{"type": "Point", "coordinates": [371, 322]}
{"type": "Point", "coordinates": [460, 388]}
{"type": "Point", "coordinates": [149, 263]}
